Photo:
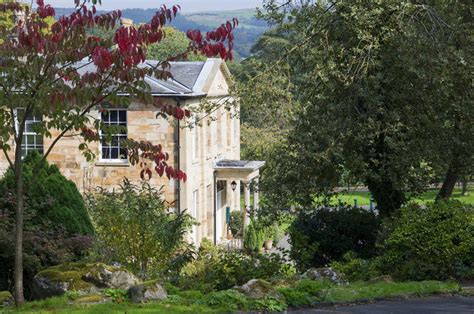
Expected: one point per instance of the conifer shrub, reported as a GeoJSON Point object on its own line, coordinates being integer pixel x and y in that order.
{"type": "Point", "coordinates": [57, 227]}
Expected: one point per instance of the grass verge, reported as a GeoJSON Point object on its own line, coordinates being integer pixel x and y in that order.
{"type": "Point", "coordinates": [303, 293]}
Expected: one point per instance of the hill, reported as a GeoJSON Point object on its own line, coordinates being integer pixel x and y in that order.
{"type": "Point", "coordinates": [246, 34]}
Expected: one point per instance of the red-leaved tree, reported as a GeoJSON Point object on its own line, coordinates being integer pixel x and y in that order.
{"type": "Point", "coordinates": [43, 73]}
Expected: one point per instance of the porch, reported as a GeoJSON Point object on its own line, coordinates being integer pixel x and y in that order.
{"type": "Point", "coordinates": [229, 176]}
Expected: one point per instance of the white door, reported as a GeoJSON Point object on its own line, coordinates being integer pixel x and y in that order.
{"type": "Point", "coordinates": [219, 215]}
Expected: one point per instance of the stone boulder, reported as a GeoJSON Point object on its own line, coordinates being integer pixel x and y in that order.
{"type": "Point", "coordinates": [84, 278]}
{"type": "Point", "coordinates": [325, 273]}
{"type": "Point", "coordinates": [6, 299]}
{"type": "Point", "coordinates": [147, 291]}
{"type": "Point", "coordinates": [103, 276]}
{"type": "Point", "coordinates": [258, 289]}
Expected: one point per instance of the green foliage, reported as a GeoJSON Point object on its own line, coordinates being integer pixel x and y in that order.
{"type": "Point", "coordinates": [236, 223]}
{"type": "Point", "coordinates": [304, 292]}
{"type": "Point", "coordinates": [230, 299]}
{"type": "Point", "coordinates": [270, 305]}
{"type": "Point", "coordinates": [275, 233]}
{"type": "Point", "coordinates": [219, 269]}
{"type": "Point", "coordinates": [175, 43]}
{"type": "Point", "coordinates": [380, 94]}
{"type": "Point", "coordinates": [435, 241]}
{"type": "Point", "coordinates": [52, 200]}
{"type": "Point", "coordinates": [57, 227]}
{"type": "Point", "coordinates": [354, 268]}
{"type": "Point", "coordinates": [134, 228]}
{"type": "Point", "coordinates": [6, 21]}
{"type": "Point", "coordinates": [252, 240]}
{"type": "Point", "coordinates": [325, 234]}
{"type": "Point", "coordinates": [117, 295]}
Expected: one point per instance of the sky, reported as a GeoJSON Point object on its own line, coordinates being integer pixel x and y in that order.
{"type": "Point", "coordinates": [186, 5]}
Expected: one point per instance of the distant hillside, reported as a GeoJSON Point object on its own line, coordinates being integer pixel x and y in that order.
{"type": "Point", "coordinates": [246, 34]}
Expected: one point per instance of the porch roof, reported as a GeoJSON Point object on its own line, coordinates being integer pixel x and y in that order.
{"type": "Point", "coordinates": [243, 170]}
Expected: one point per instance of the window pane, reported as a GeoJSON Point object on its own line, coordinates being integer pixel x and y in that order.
{"type": "Point", "coordinates": [39, 140]}
{"type": "Point", "coordinates": [113, 115]}
{"type": "Point", "coordinates": [29, 127]}
{"type": "Point", "coordinates": [123, 115]}
{"type": "Point", "coordinates": [106, 153]}
{"type": "Point", "coordinates": [30, 139]}
{"type": "Point", "coordinates": [114, 153]}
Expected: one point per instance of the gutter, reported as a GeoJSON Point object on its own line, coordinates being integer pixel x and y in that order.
{"type": "Point", "coordinates": [215, 207]}
{"type": "Point", "coordinates": [178, 160]}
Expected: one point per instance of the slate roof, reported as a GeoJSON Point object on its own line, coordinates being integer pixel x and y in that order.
{"type": "Point", "coordinates": [239, 164]}
{"type": "Point", "coordinates": [182, 83]}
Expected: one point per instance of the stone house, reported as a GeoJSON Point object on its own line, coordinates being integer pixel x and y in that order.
{"type": "Point", "coordinates": [209, 152]}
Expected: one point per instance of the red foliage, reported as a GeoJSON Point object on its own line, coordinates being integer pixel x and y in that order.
{"type": "Point", "coordinates": [118, 61]}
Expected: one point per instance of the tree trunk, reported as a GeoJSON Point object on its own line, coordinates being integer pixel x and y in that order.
{"type": "Point", "coordinates": [387, 197]}
{"type": "Point", "coordinates": [448, 184]}
{"type": "Point", "coordinates": [19, 184]}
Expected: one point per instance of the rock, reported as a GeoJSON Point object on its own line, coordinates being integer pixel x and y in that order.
{"type": "Point", "coordinates": [325, 273]}
{"type": "Point", "coordinates": [6, 299]}
{"type": "Point", "coordinates": [384, 278]}
{"type": "Point", "coordinates": [83, 278]}
{"type": "Point", "coordinates": [258, 289]}
{"type": "Point", "coordinates": [147, 291]}
{"type": "Point", "coordinates": [103, 276]}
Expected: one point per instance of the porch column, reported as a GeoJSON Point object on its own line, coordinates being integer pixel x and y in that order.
{"type": "Point", "coordinates": [246, 203]}
{"type": "Point", "coordinates": [256, 194]}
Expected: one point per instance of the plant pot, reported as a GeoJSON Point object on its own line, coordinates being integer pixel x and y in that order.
{"type": "Point", "coordinates": [268, 244]}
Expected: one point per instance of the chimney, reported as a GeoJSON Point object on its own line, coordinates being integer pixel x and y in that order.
{"type": "Point", "coordinates": [126, 22]}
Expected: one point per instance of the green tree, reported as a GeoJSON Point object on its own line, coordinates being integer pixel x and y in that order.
{"type": "Point", "coordinates": [379, 97]}
{"type": "Point", "coordinates": [174, 43]}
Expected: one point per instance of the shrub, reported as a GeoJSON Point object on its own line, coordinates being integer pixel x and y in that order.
{"type": "Point", "coordinates": [304, 292]}
{"type": "Point", "coordinates": [236, 223]}
{"type": "Point", "coordinates": [135, 228]}
{"type": "Point", "coordinates": [354, 268]}
{"type": "Point", "coordinates": [229, 299]}
{"type": "Point", "coordinates": [219, 269]}
{"type": "Point", "coordinates": [57, 227]}
{"type": "Point", "coordinates": [52, 200]}
{"type": "Point", "coordinates": [435, 241]}
{"type": "Point", "coordinates": [255, 235]}
{"type": "Point", "coordinates": [325, 234]}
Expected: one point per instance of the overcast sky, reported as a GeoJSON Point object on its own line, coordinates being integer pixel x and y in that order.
{"type": "Point", "coordinates": [186, 5]}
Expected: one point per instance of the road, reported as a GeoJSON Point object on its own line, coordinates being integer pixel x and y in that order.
{"type": "Point", "coordinates": [429, 305]}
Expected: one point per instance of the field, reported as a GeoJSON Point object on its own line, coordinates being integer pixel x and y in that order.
{"type": "Point", "coordinates": [363, 198]}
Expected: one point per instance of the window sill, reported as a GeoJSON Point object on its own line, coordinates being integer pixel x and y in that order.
{"type": "Point", "coordinates": [112, 164]}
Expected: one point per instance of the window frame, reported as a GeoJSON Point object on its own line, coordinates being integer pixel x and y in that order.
{"type": "Point", "coordinates": [26, 133]}
{"type": "Point", "coordinates": [118, 161]}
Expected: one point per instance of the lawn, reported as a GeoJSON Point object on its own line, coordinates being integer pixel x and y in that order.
{"type": "Point", "coordinates": [303, 293]}
{"type": "Point", "coordinates": [363, 198]}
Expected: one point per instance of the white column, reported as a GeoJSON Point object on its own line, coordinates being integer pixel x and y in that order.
{"type": "Point", "coordinates": [256, 195]}
{"type": "Point", "coordinates": [246, 202]}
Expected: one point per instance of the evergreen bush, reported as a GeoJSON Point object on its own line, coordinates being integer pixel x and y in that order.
{"type": "Point", "coordinates": [435, 241]}
{"type": "Point", "coordinates": [323, 235]}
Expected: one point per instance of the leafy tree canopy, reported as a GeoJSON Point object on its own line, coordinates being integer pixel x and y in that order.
{"type": "Point", "coordinates": [382, 93]}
